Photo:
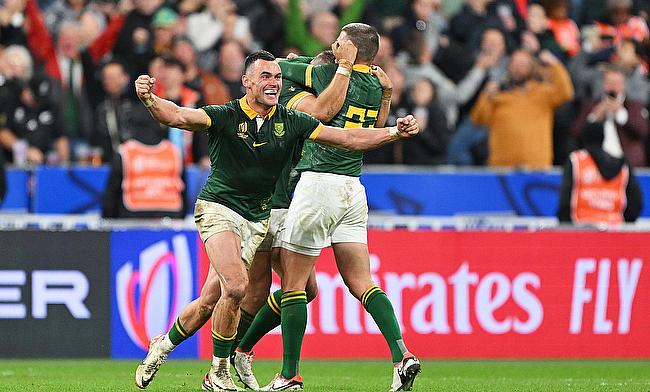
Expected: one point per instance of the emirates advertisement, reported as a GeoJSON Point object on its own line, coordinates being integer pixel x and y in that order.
{"type": "Point", "coordinates": [487, 295]}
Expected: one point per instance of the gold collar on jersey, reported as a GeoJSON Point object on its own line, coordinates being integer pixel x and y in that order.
{"type": "Point", "coordinates": [363, 68]}
{"type": "Point", "coordinates": [252, 113]}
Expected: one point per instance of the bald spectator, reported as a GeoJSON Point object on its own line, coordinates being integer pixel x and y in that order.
{"type": "Point", "coordinates": [519, 112]}
{"type": "Point", "coordinates": [625, 121]}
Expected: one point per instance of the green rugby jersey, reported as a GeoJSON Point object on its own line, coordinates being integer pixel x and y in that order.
{"type": "Point", "coordinates": [245, 162]}
{"type": "Point", "coordinates": [360, 109]}
{"type": "Point", "coordinates": [290, 94]}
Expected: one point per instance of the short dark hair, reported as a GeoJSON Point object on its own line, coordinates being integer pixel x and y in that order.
{"type": "Point", "coordinates": [324, 57]}
{"type": "Point", "coordinates": [259, 55]}
{"type": "Point", "coordinates": [365, 38]}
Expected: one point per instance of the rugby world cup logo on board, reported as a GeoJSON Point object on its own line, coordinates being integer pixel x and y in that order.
{"type": "Point", "coordinates": [151, 291]}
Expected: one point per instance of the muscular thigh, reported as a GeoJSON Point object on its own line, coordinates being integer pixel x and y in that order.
{"type": "Point", "coordinates": [353, 263]}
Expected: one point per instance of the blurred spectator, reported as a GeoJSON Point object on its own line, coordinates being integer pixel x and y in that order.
{"type": "Point", "coordinates": [423, 16]}
{"type": "Point", "coordinates": [146, 180]}
{"type": "Point", "coordinates": [11, 23]}
{"type": "Point", "coordinates": [450, 95]}
{"type": "Point", "coordinates": [467, 146]}
{"type": "Point", "coordinates": [429, 147]}
{"type": "Point", "coordinates": [120, 115]}
{"type": "Point", "coordinates": [135, 42]}
{"type": "Point", "coordinates": [625, 121]}
{"type": "Point", "coordinates": [598, 188]}
{"type": "Point", "coordinates": [164, 25]}
{"type": "Point", "coordinates": [211, 87]}
{"type": "Point", "coordinates": [323, 28]}
{"type": "Point", "coordinates": [63, 10]}
{"type": "Point", "coordinates": [519, 112]}
{"type": "Point", "coordinates": [266, 20]}
{"type": "Point", "coordinates": [385, 55]}
{"type": "Point", "coordinates": [3, 179]}
{"type": "Point", "coordinates": [537, 35]}
{"type": "Point", "coordinates": [231, 66]}
{"type": "Point", "coordinates": [564, 29]}
{"type": "Point", "coordinates": [619, 23]}
{"type": "Point", "coordinates": [30, 123]}
{"type": "Point", "coordinates": [73, 68]}
{"type": "Point", "coordinates": [193, 145]}
{"type": "Point", "coordinates": [467, 25]}
{"type": "Point", "coordinates": [217, 23]}
{"type": "Point", "coordinates": [586, 71]}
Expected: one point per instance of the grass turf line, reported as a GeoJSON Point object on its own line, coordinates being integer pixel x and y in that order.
{"type": "Point", "coordinates": [358, 376]}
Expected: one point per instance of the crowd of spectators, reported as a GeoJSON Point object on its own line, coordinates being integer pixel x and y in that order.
{"type": "Point", "coordinates": [492, 82]}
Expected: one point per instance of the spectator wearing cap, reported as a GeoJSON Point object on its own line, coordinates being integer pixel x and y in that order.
{"type": "Point", "coordinates": [193, 145]}
{"type": "Point", "coordinates": [164, 25]}
{"type": "Point", "coordinates": [211, 87]}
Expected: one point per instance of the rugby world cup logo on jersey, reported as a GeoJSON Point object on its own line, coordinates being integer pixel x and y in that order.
{"type": "Point", "coordinates": [153, 287]}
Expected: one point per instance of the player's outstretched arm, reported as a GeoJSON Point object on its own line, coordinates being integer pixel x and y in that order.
{"type": "Point", "coordinates": [167, 112]}
{"type": "Point", "coordinates": [361, 139]}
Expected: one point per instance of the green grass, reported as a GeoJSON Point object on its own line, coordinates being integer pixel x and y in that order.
{"type": "Point", "coordinates": [178, 375]}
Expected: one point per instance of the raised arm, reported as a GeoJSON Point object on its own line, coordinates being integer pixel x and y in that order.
{"type": "Point", "coordinates": [361, 139]}
{"type": "Point", "coordinates": [328, 103]}
{"type": "Point", "coordinates": [387, 87]}
{"type": "Point", "coordinates": [167, 112]}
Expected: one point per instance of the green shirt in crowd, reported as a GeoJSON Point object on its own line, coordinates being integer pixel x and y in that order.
{"type": "Point", "coordinates": [247, 162]}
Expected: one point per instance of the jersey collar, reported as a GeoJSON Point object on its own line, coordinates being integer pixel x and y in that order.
{"type": "Point", "coordinates": [252, 113]}
{"type": "Point", "coordinates": [361, 68]}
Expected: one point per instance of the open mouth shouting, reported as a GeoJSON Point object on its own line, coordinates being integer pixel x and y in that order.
{"type": "Point", "coordinates": [271, 94]}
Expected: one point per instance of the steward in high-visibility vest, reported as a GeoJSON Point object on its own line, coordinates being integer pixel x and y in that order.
{"type": "Point", "coordinates": [146, 181]}
{"type": "Point", "coordinates": [598, 188]}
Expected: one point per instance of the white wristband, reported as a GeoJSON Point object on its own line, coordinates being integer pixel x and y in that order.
{"type": "Point", "coordinates": [393, 132]}
{"type": "Point", "coordinates": [344, 71]}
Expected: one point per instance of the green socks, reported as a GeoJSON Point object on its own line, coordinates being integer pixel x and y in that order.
{"type": "Point", "coordinates": [378, 305]}
{"type": "Point", "coordinates": [294, 323]}
{"type": "Point", "coordinates": [221, 345]}
{"type": "Point", "coordinates": [267, 318]}
{"type": "Point", "coordinates": [177, 334]}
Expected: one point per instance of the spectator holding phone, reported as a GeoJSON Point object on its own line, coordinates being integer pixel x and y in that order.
{"type": "Point", "coordinates": [518, 112]}
{"type": "Point", "coordinates": [625, 120]}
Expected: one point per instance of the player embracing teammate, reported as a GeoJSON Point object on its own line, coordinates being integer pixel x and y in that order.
{"type": "Point", "coordinates": [329, 193]}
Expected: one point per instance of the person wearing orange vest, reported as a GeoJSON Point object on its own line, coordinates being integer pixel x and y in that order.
{"type": "Point", "coordinates": [146, 180]}
{"type": "Point", "coordinates": [598, 188]}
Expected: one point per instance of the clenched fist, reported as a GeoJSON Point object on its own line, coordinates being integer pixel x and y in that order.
{"type": "Point", "coordinates": [408, 126]}
{"type": "Point", "coordinates": [144, 87]}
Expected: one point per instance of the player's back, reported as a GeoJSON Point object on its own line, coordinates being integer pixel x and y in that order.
{"type": "Point", "coordinates": [360, 109]}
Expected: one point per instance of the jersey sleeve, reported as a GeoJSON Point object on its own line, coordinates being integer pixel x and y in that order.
{"type": "Point", "coordinates": [303, 126]}
{"type": "Point", "coordinates": [218, 115]}
{"type": "Point", "coordinates": [321, 76]}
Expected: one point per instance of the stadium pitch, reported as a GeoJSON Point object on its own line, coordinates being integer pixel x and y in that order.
{"type": "Point", "coordinates": [357, 376]}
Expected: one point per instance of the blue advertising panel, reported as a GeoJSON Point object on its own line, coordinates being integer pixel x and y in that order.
{"type": "Point", "coordinates": [75, 190]}
{"type": "Point", "coordinates": [153, 276]}
{"type": "Point", "coordinates": [17, 196]}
